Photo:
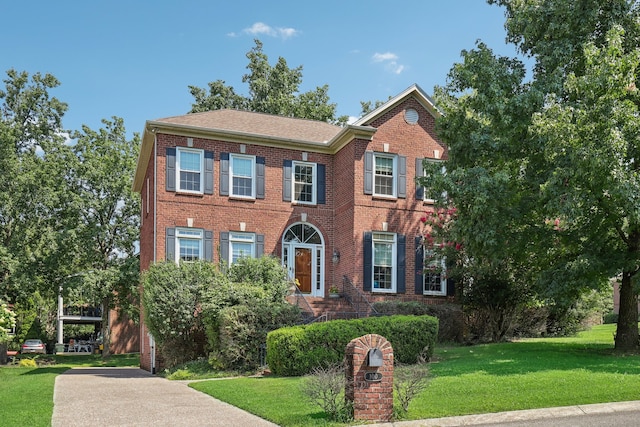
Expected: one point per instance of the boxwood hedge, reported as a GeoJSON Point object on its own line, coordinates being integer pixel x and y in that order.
{"type": "Point", "coordinates": [297, 350]}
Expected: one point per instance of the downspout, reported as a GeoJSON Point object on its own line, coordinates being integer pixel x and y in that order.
{"type": "Point", "coordinates": [152, 343]}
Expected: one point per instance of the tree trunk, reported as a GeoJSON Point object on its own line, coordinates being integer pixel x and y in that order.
{"type": "Point", "coordinates": [106, 329]}
{"type": "Point", "coordinates": [627, 331]}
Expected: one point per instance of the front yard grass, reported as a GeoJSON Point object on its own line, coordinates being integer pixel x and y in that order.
{"type": "Point", "coordinates": [526, 374]}
{"type": "Point", "coordinates": [27, 393]}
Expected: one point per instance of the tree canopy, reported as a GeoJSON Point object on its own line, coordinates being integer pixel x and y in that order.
{"type": "Point", "coordinates": [542, 164]}
{"type": "Point", "coordinates": [67, 213]}
{"type": "Point", "coordinates": [272, 89]}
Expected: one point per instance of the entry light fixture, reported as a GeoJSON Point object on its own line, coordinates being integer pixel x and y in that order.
{"type": "Point", "coordinates": [336, 256]}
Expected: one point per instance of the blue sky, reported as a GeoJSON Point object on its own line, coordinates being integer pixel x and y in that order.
{"type": "Point", "coordinates": [136, 58]}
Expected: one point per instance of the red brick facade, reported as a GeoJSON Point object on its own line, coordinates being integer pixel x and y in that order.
{"type": "Point", "coordinates": [342, 220]}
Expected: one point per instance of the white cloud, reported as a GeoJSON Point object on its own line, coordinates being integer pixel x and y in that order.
{"type": "Point", "coordinates": [260, 28]}
{"type": "Point", "coordinates": [390, 61]}
{"type": "Point", "coordinates": [383, 57]}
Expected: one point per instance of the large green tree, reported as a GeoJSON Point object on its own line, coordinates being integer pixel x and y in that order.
{"type": "Point", "coordinates": [35, 209]}
{"type": "Point", "coordinates": [108, 217]}
{"type": "Point", "coordinates": [543, 169]}
{"type": "Point", "coordinates": [272, 89]}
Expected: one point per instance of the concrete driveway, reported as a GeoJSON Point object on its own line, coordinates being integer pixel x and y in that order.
{"type": "Point", "coordinates": [133, 397]}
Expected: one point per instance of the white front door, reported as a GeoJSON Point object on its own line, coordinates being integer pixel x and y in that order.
{"type": "Point", "coordinates": [304, 260]}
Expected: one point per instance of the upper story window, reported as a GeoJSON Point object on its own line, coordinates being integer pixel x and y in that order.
{"type": "Point", "coordinates": [189, 170]}
{"type": "Point", "coordinates": [421, 193]}
{"type": "Point", "coordinates": [385, 175]}
{"type": "Point", "coordinates": [242, 176]}
{"type": "Point", "coordinates": [189, 166]}
{"type": "Point", "coordinates": [304, 182]}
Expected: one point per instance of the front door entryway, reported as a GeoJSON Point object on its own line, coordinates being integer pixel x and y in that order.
{"type": "Point", "coordinates": [302, 269]}
{"type": "Point", "coordinates": [303, 256]}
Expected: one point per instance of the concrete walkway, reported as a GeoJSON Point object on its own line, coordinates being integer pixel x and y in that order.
{"type": "Point", "coordinates": [133, 397]}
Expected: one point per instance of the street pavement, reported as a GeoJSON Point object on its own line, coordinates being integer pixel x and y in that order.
{"type": "Point", "coordinates": [133, 397]}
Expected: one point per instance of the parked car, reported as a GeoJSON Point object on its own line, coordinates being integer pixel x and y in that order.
{"type": "Point", "coordinates": [33, 346]}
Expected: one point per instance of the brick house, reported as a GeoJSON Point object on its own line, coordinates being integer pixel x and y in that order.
{"type": "Point", "coordinates": [338, 205]}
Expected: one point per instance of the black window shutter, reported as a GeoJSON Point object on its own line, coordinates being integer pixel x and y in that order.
{"type": "Point", "coordinates": [224, 247]}
{"type": "Point", "coordinates": [368, 172]}
{"type": "Point", "coordinates": [402, 177]}
{"type": "Point", "coordinates": [402, 264]}
{"type": "Point", "coordinates": [451, 287]}
{"type": "Point", "coordinates": [260, 163]}
{"type": "Point", "coordinates": [208, 172]}
{"type": "Point", "coordinates": [171, 169]}
{"type": "Point", "coordinates": [170, 244]}
{"type": "Point", "coordinates": [224, 174]}
{"type": "Point", "coordinates": [286, 180]}
{"type": "Point", "coordinates": [419, 174]}
{"type": "Point", "coordinates": [208, 245]}
{"type": "Point", "coordinates": [322, 184]}
{"type": "Point", "coordinates": [368, 261]}
{"type": "Point", "coordinates": [259, 245]}
{"type": "Point", "coordinates": [419, 266]}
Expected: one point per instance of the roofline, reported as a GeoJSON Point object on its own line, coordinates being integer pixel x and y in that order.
{"type": "Point", "coordinates": [153, 127]}
{"type": "Point", "coordinates": [425, 100]}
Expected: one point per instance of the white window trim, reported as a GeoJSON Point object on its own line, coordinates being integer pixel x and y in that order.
{"type": "Point", "coordinates": [443, 170]}
{"type": "Point", "coordinates": [394, 184]}
{"type": "Point", "coordinates": [240, 237]}
{"type": "Point", "coordinates": [443, 277]}
{"type": "Point", "coordinates": [394, 262]}
{"type": "Point", "coordinates": [179, 151]}
{"type": "Point", "coordinates": [189, 234]}
{"type": "Point", "coordinates": [314, 183]}
{"type": "Point", "coordinates": [253, 176]}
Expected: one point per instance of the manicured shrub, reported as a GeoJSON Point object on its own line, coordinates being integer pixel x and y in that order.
{"type": "Point", "coordinates": [298, 350]}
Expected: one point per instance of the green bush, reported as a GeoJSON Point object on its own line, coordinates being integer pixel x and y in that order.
{"type": "Point", "coordinates": [242, 330]}
{"type": "Point", "coordinates": [172, 299]}
{"type": "Point", "coordinates": [450, 317]}
{"type": "Point", "coordinates": [610, 317]}
{"type": "Point", "coordinates": [298, 350]}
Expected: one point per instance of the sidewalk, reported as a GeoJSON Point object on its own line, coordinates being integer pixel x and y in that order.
{"type": "Point", "coordinates": [133, 397]}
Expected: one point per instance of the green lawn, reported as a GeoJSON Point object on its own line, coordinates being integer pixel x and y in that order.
{"type": "Point", "coordinates": [533, 373]}
{"type": "Point", "coordinates": [27, 393]}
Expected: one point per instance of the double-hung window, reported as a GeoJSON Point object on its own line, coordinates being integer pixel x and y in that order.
{"type": "Point", "coordinates": [304, 183]}
{"type": "Point", "coordinates": [384, 255]}
{"type": "Point", "coordinates": [422, 171]}
{"type": "Point", "coordinates": [241, 245]}
{"type": "Point", "coordinates": [188, 244]}
{"type": "Point", "coordinates": [435, 278]}
{"type": "Point", "coordinates": [189, 170]}
{"type": "Point", "coordinates": [189, 166]}
{"type": "Point", "coordinates": [385, 175]}
{"type": "Point", "coordinates": [242, 173]}
{"type": "Point", "coordinates": [235, 245]}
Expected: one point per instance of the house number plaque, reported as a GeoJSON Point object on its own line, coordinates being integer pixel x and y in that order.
{"type": "Point", "coordinates": [372, 376]}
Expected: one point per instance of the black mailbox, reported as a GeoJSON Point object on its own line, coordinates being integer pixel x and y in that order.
{"type": "Point", "coordinates": [374, 358]}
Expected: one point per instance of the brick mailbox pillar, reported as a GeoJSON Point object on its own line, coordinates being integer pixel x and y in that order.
{"type": "Point", "coordinates": [369, 376]}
